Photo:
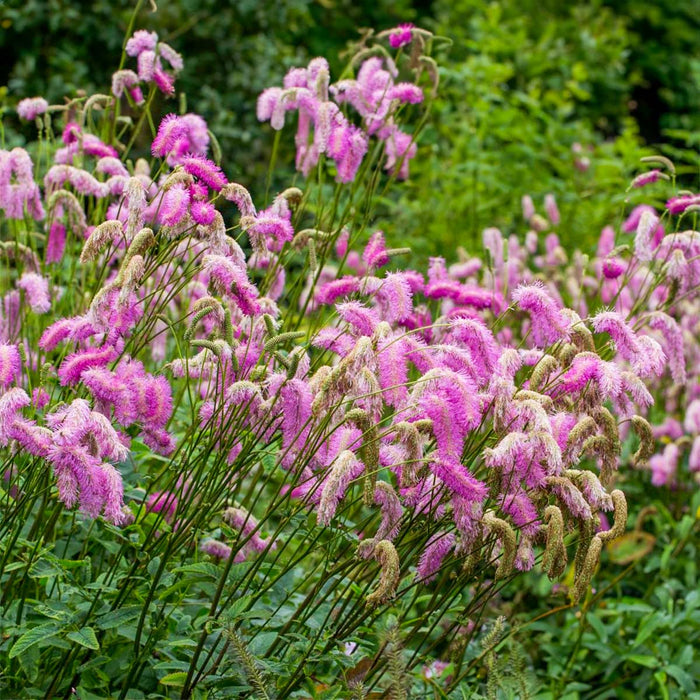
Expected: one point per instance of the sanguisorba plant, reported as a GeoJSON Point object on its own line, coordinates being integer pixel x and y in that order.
{"type": "Point", "coordinates": [242, 458]}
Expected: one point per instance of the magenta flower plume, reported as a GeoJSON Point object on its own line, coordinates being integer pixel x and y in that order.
{"type": "Point", "coordinates": [11, 403]}
{"type": "Point", "coordinates": [31, 107]}
{"type": "Point", "coordinates": [642, 352]}
{"type": "Point", "coordinates": [216, 549]}
{"type": "Point", "coordinates": [374, 254]}
{"type": "Point", "coordinates": [458, 480]}
{"type": "Point", "coordinates": [141, 41]}
{"type": "Point", "coordinates": [36, 290]}
{"type": "Point", "coordinates": [648, 178]}
{"type": "Point", "coordinates": [170, 131]}
{"type": "Point", "coordinates": [401, 35]}
{"type": "Point", "coordinates": [364, 320]}
{"type": "Point", "coordinates": [677, 205]}
{"type": "Point", "coordinates": [548, 324]}
{"type": "Point", "coordinates": [550, 206]}
{"type": "Point", "coordinates": [205, 171]}
{"type": "Point", "coordinates": [75, 364]}
{"type": "Point", "coordinates": [174, 205]}
{"type": "Point", "coordinates": [437, 548]}
{"type": "Point", "coordinates": [10, 364]}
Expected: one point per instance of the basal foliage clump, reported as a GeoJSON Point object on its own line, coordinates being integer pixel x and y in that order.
{"type": "Point", "coordinates": [245, 450]}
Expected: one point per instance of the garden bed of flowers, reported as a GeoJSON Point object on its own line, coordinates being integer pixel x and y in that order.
{"type": "Point", "coordinates": [251, 447]}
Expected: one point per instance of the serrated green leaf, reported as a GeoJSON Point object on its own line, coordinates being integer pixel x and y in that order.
{"type": "Point", "coordinates": [31, 637]}
{"type": "Point", "coordinates": [201, 568]}
{"type": "Point", "coordinates": [114, 618]}
{"type": "Point", "coordinates": [85, 637]}
{"type": "Point", "coordinates": [176, 679]}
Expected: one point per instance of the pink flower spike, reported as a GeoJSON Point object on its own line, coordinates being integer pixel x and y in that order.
{"type": "Point", "coordinates": [405, 92]}
{"type": "Point", "coordinates": [32, 107]}
{"type": "Point", "coordinates": [202, 212]}
{"type": "Point", "coordinates": [548, 324]}
{"type": "Point", "coordinates": [374, 254]}
{"type": "Point", "coordinates": [36, 290]}
{"type": "Point", "coordinates": [216, 549]}
{"type": "Point", "coordinates": [528, 207]}
{"type": "Point", "coordinates": [164, 82]}
{"type": "Point", "coordinates": [550, 206]}
{"type": "Point", "coordinates": [170, 130]}
{"type": "Point", "coordinates": [648, 178]}
{"type": "Point", "coordinates": [459, 481]}
{"type": "Point", "coordinates": [9, 364]}
{"type": "Point", "coordinates": [401, 35]}
{"type": "Point", "coordinates": [437, 548]}
{"type": "Point", "coordinates": [677, 205]}
{"type": "Point", "coordinates": [204, 170]}
{"type": "Point", "coordinates": [74, 365]}
{"type": "Point", "coordinates": [141, 41]}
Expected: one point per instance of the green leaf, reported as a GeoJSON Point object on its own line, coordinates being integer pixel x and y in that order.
{"type": "Point", "coordinates": [661, 679]}
{"type": "Point", "coordinates": [31, 637]}
{"type": "Point", "coordinates": [683, 678]}
{"type": "Point", "coordinates": [597, 624]}
{"type": "Point", "coordinates": [648, 625]}
{"type": "Point", "coordinates": [643, 660]}
{"type": "Point", "coordinates": [153, 565]}
{"type": "Point", "coordinates": [114, 618]}
{"type": "Point", "coordinates": [85, 637]}
{"type": "Point", "coordinates": [201, 568]}
{"type": "Point", "coordinates": [176, 679]}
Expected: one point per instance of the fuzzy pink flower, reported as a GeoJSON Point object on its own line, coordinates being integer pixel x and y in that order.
{"type": "Point", "coordinates": [141, 41]}
{"type": "Point", "coordinates": [374, 254]}
{"type": "Point", "coordinates": [204, 170]}
{"type": "Point", "coordinates": [170, 130]}
{"type": "Point", "coordinates": [401, 35]}
{"type": "Point", "coordinates": [458, 480]}
{"type": "Point", "coordinates": [400, 149]}
{"type": "Point", "coordinates": [677, 205]}
{"type": "Point", "coordinates": [405, 92]}
{"type": "Point", "coordinates": [216, 549]}
{"type": "Point", "coordinates": [74, 365]}
{"type": "Point", "coordinates": [202, 212]}
{"type": "Point", "coordinates": [11, 403]}
{"type": "Point", "coordinates": [164, 82]}
{"type": "Point", "coordinates": [528, 207]}
{"type": "Point", "coordinates": [664, 466]}
{"type": "Point", "coordinates": [643, 352]}
{"type": "Point", "coordinates": [9, 364]}
{"type": "Point", "coordinates": [345, 469]}
{"type": "Point", "coordinates": [643, 241]}
{"type": "Point", "coordinates": [548, 324]}
{"type": "Point", "coordinates": [56, 242]}
{"type": "Point", "coordinates": [359, 316]}
{"type": "Point", "coordinates": [174, 205]}
{"type": "Point", "coordinates": [647, 178]}
{"type": "Point", "coordinates": [32, 107]}
{"type": "Point", "coordinates": [437, 548]}
{"type": "Point", "coordinates": [550, 206]}
{"type": "Point", "coordinates": [36, 290]}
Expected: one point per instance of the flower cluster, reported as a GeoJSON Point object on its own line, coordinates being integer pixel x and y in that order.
{"type": "Point", "coordinates": [157, 64]}
{"type": "Point", "coordinates": [375, 95]}
{"type": "Point", "coordinates": [489, 402]}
